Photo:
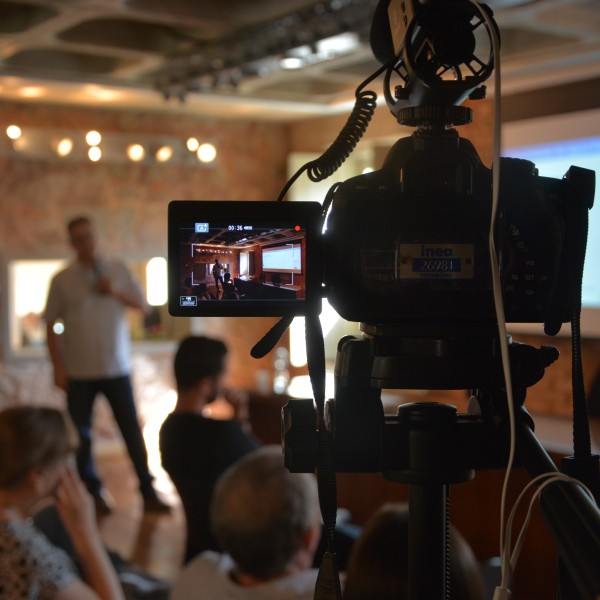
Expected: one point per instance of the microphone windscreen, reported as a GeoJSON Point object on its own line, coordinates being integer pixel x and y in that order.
{"type": "Point", "coordinates": [382, 44]}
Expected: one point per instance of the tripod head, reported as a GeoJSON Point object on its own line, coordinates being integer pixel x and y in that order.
{"type": "Point", "coordinates": [366, 440]}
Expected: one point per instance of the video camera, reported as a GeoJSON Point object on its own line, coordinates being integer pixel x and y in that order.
{"type": "Point", "coordinates": [406, 246]}
{"type": "Point", "coordinates": [407, 251]}
{"type": "Point", "coordinates": [404, 250]}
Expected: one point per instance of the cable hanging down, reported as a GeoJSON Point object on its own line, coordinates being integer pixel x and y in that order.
{"type": "Point", "coordinates": [356, 125]}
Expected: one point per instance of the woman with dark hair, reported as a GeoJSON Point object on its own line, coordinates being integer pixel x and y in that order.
{"type": "Point", "coordinates": [37, 446]}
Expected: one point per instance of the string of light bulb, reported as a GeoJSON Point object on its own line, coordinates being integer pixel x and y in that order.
{"type": "Point", "coordinates": [112, 146]}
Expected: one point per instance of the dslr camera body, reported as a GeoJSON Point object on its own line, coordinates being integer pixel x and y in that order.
{"type": "Point", "coordinates": [407, 246]}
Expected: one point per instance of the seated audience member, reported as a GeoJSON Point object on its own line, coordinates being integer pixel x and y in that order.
{"type": "Point", "coordinates": [268, 523]}
{"type": "Point", "coordinates": [37, 446]}
{"type": "Point", "coordinates": [201, 290]}
{"type": "Point", "coordinates": [378, 565]}
{"type": "Point", "coordinates": [230, 292]}
{"type": "Point", "coordinates": [195, 449]}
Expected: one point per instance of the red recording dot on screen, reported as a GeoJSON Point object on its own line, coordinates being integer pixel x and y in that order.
{"type": "Point", "coordinates": [297, 228]}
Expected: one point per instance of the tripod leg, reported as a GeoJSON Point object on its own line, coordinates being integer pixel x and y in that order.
{"type": "Point", "coordinates": [427, 543]}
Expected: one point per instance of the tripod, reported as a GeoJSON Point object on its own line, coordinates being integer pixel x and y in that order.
{"type": "Point", "coordinates": [430, 446]}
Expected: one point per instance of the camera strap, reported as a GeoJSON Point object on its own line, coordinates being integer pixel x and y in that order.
{"type": "Point", "coordinates": [328, 581]}
{"type": "Point", "coordinates": [583, 464]}
{"type": "Point", "coordinates": [268, 341]}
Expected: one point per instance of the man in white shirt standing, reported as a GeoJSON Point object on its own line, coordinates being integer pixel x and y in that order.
{"type": "Point", "coordinates": [217, 272]}
{"type": "Point", "coordinates": [93, 354]}
{"type": "Point", "coordinates": [268, 523]}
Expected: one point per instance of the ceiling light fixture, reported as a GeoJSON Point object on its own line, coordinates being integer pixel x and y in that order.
{"type": "Point", "coordinates": [94, 154]}
{"type": "Point", "coordinates": [136, 152]}
{"type": "Point", "coordinates": [343, 43]}
{"type": "Point", "coordinates": [164, 154]}
{"type": "Point", "coordinates": [31, 91]}
{"type": "Point", "coordinates": [64, 146]}
{"type": "Point", "coordinates": [104, 94]}
{"type": "Point", "coordinates": [93, 138]}
{"type": "Point", "coordinates": [206, 153]}
{"type": "Point", "coordinates": [291, 62]}
{"type": "Point", "coordinates": [13, 132]}
{"type": "Point", "coordinates": [122, 147]}
{"type": "Point", "coordinates": [321, 32]}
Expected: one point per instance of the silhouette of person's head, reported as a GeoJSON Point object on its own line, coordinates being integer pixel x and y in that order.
{"type": "Point", "coordinates": [197, 359]}
{"type": "Point", "coordinates": [266, 518]}
{"type": "Point", "coordinates": [33, 438]}
{"type": "Point", "coordinates": [378, 565]}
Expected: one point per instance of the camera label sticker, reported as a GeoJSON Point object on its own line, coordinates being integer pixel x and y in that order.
{"type": "Point", "coordinates": [435, 261]}
{"type": "Point", "coordinates": [188, 301]}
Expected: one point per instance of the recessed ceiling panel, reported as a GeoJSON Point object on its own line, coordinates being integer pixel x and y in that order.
{"type": "Point", "coordinates": [517, 41]}
{"type": "Point", "coordinates": [125, 34]}
{"type": "Point", "coordinates": [15, 18]}
{"type": "Point", "coordinates": [47, 60]}
{"type": "Point", "coordinates": [231, 14]}
{"type": "Point", "coordinates": [235, 48]}
{"type": "Point", "coordinates": [359, 69]}
{"type": "Point", "coordinates": [583, 16]}
{"type": "Point", "coordinates": [304, 86]}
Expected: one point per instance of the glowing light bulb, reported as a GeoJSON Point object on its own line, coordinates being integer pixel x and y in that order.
{"type": "Point", "coordinates": [64, 147]}
{"type": "Point", "coordinates": [13, 132]}
{"type": "Point", "coordinates": [93, 138]}
{"type": "Point", "coordinates": [192, 144]}
{"type": "Point", "coordinates": [94, 154]}
{"type": "Point", "coordinates": [164, 154]}
{"type": "Point", "coordinates": [207, 153]}
{"type": "Point", "coordinates": [136, 152]}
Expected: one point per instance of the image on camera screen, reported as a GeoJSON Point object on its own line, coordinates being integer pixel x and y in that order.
{"type": "Point", "coordinates": [243, 258]}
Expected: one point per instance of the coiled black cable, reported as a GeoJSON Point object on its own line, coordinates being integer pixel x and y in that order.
{"type": "Point", "coordinates": [356, 125]}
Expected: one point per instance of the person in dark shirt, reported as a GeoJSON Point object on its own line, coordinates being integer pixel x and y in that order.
{"type": "Point", "coordinates": [230, 292]}
{"type": "Point", "coordinates": [196, 449]}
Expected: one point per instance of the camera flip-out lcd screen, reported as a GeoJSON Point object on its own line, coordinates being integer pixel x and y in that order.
{"type": "Point", "coordinates": [241, 258]}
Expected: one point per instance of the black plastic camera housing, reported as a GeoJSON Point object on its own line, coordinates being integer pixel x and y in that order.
{"type": "Point", "coordinates": [201, 232]}
{"type": "Point", "coordinates": [408, 245]}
